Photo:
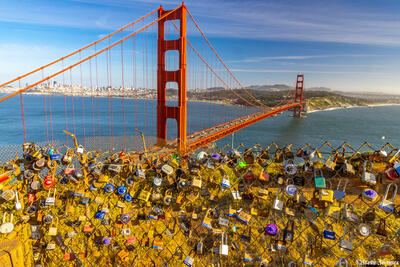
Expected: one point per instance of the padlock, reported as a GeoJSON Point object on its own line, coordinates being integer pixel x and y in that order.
{"type": "Point", "coordinates": [51, 198]}
{"type": "Point", "coordinates": [8, 195]}
{"type": "Point", "coordinates": [225, 182]}
{"type": "Point", "coordinates": [243, 216]}
{"type": "Point", "coordinates": [88, 228]}
{"type": "Point", "coordinates": [288, 232]}
{"type": "Point", "coordinates": [7, 226]}
{"type": "Point", "coordinates": [308, 258]}
{"type": "Point", "coordinates": [310, 213]}
{"type": "Point", "coordinates": [145, 194]}
{"type": "Point", "coordinates": [340, 193]}
{"type": "Point", "coordinates": [326, 194]}
{"type": "Point", "coordinates": [330, 164]}
{"type": "Point", "coordinates": [299, 180]}
{"type": "Point", "coordinates": [364, 229]}
{"type": "Point", "coordinates": [348, 214]}
{"type": "Point", "coordinates": [167, 169]}
{"type": "Point", "coordinates": [53, 228]}
{"type": "Point", "coordinates": [39, 164]}
{"type": "Point", "coordinates": [347, 245]}
{"type": "Point", "coordinates": [384, 250]}
{"type": "Point", "coordinates": [319, 179]}
{"type": "Point", "coordinates": [387, 205]}
{"type": "Point", "coordinates": [369, 194]}
{"type": "Point", "coordinates": [131, 240]}
{"type": "Point", "coordinates": [18, 205]}
{"type": "Point", "coordinates": [246, 237]}
{"type": "Point", "coordinates": [115, 168]}
{"type": "Point", "coordinates": [264, 176]}
{"type": "Point", "coordinates": [189, 260]}
{"type": "Point", "coordinates": [315, 200]}
{"type": "Point", "coordinates": [342, 261]}
{"type": "Point", "coordinates": [271, 229]}
{"type": "Point", "coordinates": [223, 221]}
{"type": "Point", "coordinates": [141, 173]}
{"type": "Point", "coordinates": [199, 247]}
{"type": "Point", "coordinates": [35, 232]}
{"type": "Point", "coordinates": [180, 198]}
{"type": "Point", "coordinates": [381, 227]}
{"type": "Point", "coordinates": [48, 182]}
{"type": "Point", "coordinates": [121, 190]}
{"type": "Point", "coordinates": [158, 243]}
{"type": "Point", "coordinates": [348, 168]}
{"type": "Point", "coordinates": [246, 256]}
{"type": "Point", "coordinates": [300, 198]}
{"type": "Point", "coordinates": [109, 188]}
{"type": "Point", "coordinates": [224, 248]}
{"type": "Point", "coordinates": [367, 176]}
{"type": "Point", "coordinates": [69, 170]}
{"type": "Point", "coordinates": [51, 246]}
{"type": "Point", "coordinates": [290, 207]}
{"type": "Point", "coordinates": [290, 167]}
{"type": "Point", "coordinates": [329, 233]}
{"type": "Point", "coordinates": [278, 204]}
{"type": "Point", "coordinates": [207, 220]}
{"type": "Point", "coordinates": [290, 188]}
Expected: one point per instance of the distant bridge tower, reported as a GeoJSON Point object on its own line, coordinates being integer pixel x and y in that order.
{"type": "Point", "coordinates": [298, 97]}
{"type": "Point", "coordinates": [179, 76]}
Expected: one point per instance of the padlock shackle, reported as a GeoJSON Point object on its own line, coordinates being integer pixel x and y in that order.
{"type": "Point", "coordinates": [387, 192]}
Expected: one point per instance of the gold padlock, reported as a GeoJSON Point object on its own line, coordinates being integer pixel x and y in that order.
{"type": "Point", "coordinates": [53, 228]}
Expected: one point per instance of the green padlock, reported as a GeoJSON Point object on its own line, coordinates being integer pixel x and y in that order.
{"type": "Point", "coordinates": [319, 179]}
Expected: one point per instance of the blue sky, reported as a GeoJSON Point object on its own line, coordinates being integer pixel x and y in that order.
{"type": "Point", "coordinates": [344, 45]}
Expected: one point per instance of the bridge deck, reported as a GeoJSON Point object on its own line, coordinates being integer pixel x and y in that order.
{"type": "Point", "coordinates": [210, 135]}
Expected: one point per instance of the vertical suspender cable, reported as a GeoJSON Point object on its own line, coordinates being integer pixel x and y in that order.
{"type": "Point", "coordinates": [22, 111]}
{"type": "Point", "coordinates": [123, 91]}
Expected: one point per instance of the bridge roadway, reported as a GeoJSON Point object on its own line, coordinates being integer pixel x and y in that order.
{"type": "Point", "coordinates": [210, 135]}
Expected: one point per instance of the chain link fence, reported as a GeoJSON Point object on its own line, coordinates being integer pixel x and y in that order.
{"type": "Point", "coordinates": [217, 209]}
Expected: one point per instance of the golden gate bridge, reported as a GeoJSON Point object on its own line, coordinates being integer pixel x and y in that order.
{"type": "Point", "coordinates": [165, 49]}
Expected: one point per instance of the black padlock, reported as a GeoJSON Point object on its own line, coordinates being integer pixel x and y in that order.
{"type": "Point", "coordinates": [299, 181]}
{"type": "Point", "coordinates": [288, 232]}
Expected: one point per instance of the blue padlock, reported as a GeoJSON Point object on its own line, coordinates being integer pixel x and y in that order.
{"type": "Point", "coordinates": [109, 188]}
{"type": "Point", "coordinates": [55, 156]}
{"type": "Point", "coordinates": [99, 215]}
{"type": "Point", "coordinates": [329, 234]}
{"type": "Point", "coordinates": [128, 197]}
{"type": "Point", "coordinates": [121, 190]}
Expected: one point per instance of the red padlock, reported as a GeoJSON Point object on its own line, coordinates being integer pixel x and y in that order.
{"type": "Point", "coordinates": [31, 198]}
{"type": "Point", "coordinates": [49, 182]}
{"type": "Point", "coordinates": [4, 176]}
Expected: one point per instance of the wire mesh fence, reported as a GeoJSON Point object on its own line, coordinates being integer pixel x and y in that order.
{"type": "Point", "coordinates": [258, 206]}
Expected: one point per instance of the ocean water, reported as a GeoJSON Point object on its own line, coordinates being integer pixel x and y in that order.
{"type": "Point", "coordinates": [376, 125]}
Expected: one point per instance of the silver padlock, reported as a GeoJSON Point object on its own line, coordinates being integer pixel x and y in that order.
{"type": "Point", "coordinates": [18, 205]}
{"type": "Point", "coordinates": [342, 261]}
{"type": "Point", "coordinates": [224, 248]}
{"type": "Point", "coordinates": [387, 205]}
{"type": "Point", "coordinates": [50, 199]}
{"type": "Point", "coordinates": [35, 232]}
{"type": "Point", "coordinates": [7, 227]}
{"type": "Point", "coordinates": [278, 204]}
{"type": "Point", "coordinates": [188, 261]}
{"type": "Point", "coordinates": [223, 221]}
{"type": "Point", "coordinates": [347, 245]}
{"type": "Point", "coordinates": [364, 229]}
{"type": "Point", "coordinates": [125, 231]}
{"type": "Point", "coordinates": [350, 215]}
{"type": "Point", "coordinates": [367, 176]}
